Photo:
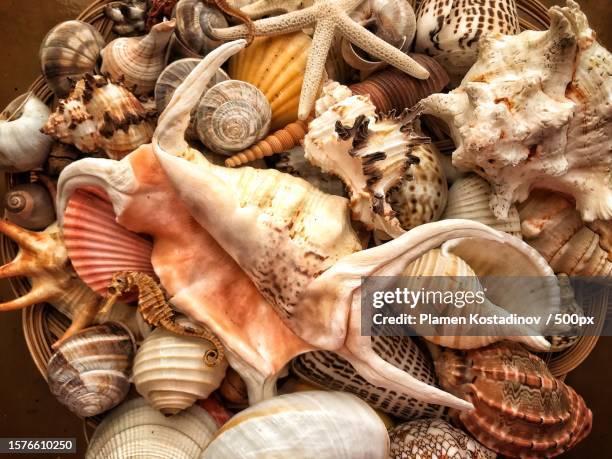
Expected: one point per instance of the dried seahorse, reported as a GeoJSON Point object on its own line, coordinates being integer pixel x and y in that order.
{"type": "Point", "coordinates": [156, 310]}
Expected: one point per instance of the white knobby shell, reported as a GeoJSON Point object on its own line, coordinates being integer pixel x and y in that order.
{"type": "Point", "coordinates": [170, 371]}
{"type": "Point", "coordinates": [22, 146]}
{"type": "Point", "coordinates": [232, 116]}
{"type": "Point", "coordinates": [316, 424]}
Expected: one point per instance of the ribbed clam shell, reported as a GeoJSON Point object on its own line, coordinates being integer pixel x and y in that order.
{"type": "Point", "coordinates": [170, 371]}
{"type": "Point", "coordinates": [30, 205]}
{"type": "Point", "coordinates": [434, 438]}
{"type": "Point", "coordinates": [68, 51]}
{"type": "Point", "coordinates": [89, 373]}
{"type": "Point", "coordinates": [322, 425]}
{"type": "Point", "coordinates": [276, 65]}
{"type": "Point", "coordinates": [232, 116]}
{"type": "Point", "coordinates": [328, 370]}
{"type": "Point", "coordinates": [469, 198]}
{"type": "Point", "coordinates": [98, 246]}
{"type": "Point", "coordinates": [135, 430]}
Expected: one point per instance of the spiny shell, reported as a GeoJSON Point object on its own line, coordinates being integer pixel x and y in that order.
{"type": "Point", "coordinates": [276, 65]}
{"type": "Point", "coordinates": [22, 146]}
{"type": "Point", "coordinates": [422, 197]}
{"type": "Point", "coordinates": [434, 438]}
{"type": "Point", "coordinates": [101, 116]}
{"type": "Point", "coordinates": [521, 409]}
{"type": "Point", "coordinates": [69, 50]}
{"type": "Point", "coordinates": [170, 371]}
{"type": "Point", "coordinates": [30, 206]}
{"type": "Point", "coordinates": [136, 430]}
{"type": "Point", "coordinates": [322, 425]}
{"type": "Point", "coordinates": [193, 19]}
{"type": "Point", "coordinates": [231, 116]}
{"type": "Point", "coordinates": [98, 246]}
{"type": "Point", "coordinates": [89, 372]}
{"type": "Point", "coordinates": [329, 370]}
{"type": "Point", "coordinates": [469, 197]}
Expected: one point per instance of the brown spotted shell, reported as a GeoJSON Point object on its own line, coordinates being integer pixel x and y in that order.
{"type": "Point", "coordinates": [521, 409]}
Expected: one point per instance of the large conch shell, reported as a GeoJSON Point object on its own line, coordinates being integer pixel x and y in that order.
{"type": "Point", "coordinates": [535, 111]}
{"type": "Point", "coordinates": [325, 425]}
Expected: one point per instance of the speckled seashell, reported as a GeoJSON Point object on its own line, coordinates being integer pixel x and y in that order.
{"type": "Point", "coordinates": [434, 438]}
{"type": "Point", "coordinates": [450, 30]}
{"type": "Point", "coordinates": [193, 19]}
{"type": "Point", "coordinates": [69, 50]}
{"type": "Point", "coordinates": [89, 372]}
{"type": "Point", "coordinates": [422, 197]}
{"type": "Point", "coordinates": [171, 373]}
{"type": "Point", "coordinates": [101, 116]}
{"type": "Point", "coordinates": [231, 116]}
{"type": "Point", "coordinates": [22, 146]}
{"type": "Point", "coordinates": [521, 409]}
{"type": "Point", "coordinates": [469, 197]}
{"type": "Point", "coordinates": [328, 370]}
{"type": "Point", "coordinates": [138, 61]}
{"type": "Point", "coordinates": [30, 206]}
{"type": "Point", "coordinates": [171, 77]}
{"type": "Point", "coordinates": [134, 429]}
{"type": "Point", "coordinates": [293, 162]}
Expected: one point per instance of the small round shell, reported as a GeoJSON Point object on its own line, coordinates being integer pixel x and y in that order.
{"type": "Point", "coordinates": [232, 116]}
{"type": "Point", "coordinates": [30, 206]}
{"type": "Point", "coordinates": [69, 50]}
{"type": "Point", "coordinates": [89, 373]}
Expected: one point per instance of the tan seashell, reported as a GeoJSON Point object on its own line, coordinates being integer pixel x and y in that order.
{"type": "Point", "coordinates": [276, 65]}
{"type": "Point", "coordinates": [258, 8]}
{"type": "Point", "coordinates": [61, 155]}
{"type": "Point", "coordinates": [30, 206]}
{"type": "Point", "coordinates": [128, 16]}
{"type": "Point", "coordinates": [134, 429]}
{"type": "Point", "coordinates": [89, 372]}
{"type": "Point", "coordinates": [170, 371]}
{"type": "Point", "coordinates": [193, 19]}
{"type": "Point", "coordinates": [469, 197]}
{"type": "Point", "coordinates": [231, 116]}
{"type": "Point", "coordinates": [233, 389]}
{"type": "Point", "coordinates": [101, 116]}
{"type": "Point", "coordinates": [138, 61]}
{"type": "Point", "coordinates": [70, 50]}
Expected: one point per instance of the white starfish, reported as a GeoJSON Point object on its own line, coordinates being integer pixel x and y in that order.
{"type": "Point", "coordinates": [327, 17]}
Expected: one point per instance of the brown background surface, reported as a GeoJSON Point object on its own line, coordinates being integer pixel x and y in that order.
{"type": "Point", "coordinates": [27, 409]}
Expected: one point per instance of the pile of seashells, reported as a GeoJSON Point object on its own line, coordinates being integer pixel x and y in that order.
{"type": "Point", "coordinates": [228, 293]}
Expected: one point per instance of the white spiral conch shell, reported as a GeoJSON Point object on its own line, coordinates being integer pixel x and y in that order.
{"type": "Point", "coordinates": [322, 425]}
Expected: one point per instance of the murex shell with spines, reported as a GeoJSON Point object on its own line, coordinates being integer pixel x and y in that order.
{"type": "Point", "coordinates": [521, 409]}
{"type": "Point", "coordinates": [89, 373]}
{"type": "Point", "coordinates": [329, 370]}
{"type": "Point", "coordinates": [101, 116]}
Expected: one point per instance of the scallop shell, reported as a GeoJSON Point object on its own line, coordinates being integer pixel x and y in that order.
{"type": "Point", "coordinates": [325, 425]}
{"type": "Point", "coordinates": [136, 430]}
{"type": "Point", "coordinates": [22, 146]}
{"type": "Point", "coordinates": [434, 438]}
{"type": "Point", "coordinates": [30, 206]}
{"type": "Point", "coordinates": [69, 50]}
{"type": "Point", "coordinates": [328, 370]}
{"type": "Point", "coordinates": [101, 116]}
{"type": "Point", "coordinates": [170, 371]}
{"type": "Point", "coordinates": [276, 65]}
{"type": "Point", "coordinates": [521, 409]}
{"type": "Point", "coordinates": [232, 116]}
{"type": "Point", "coordinates": [193, 18]}
{"type": "Point", "coordinates": [138, 61]}
{"type": "Point", "coordinates": [98, 246]}
{"type": "Point", "coordinates": [89, 372]}
{"type": "Point", "coordinates": [469, 197]}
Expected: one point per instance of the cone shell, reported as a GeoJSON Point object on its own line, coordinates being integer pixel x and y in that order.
{"type": "Point", "coordinates": [434, 438]}
{"type": "Point", "coordinates": [323, 425]}
{"type": "Point", "coordinates": [98, 246]}
{"type": "Point", "coordinates": [170, 371]}
{"type": "Point", "coordinates": [89, 373]}
{"type": "Point", "coordinates": [469, 197]}
{"type": "Point", "coordinates": [30, 205]}
{"type": "Point", "coordinates": [276, 65]}
{"type": "Point", "coordinates": [69, 50]}
{"type": "Point", "coordinates": [521, 409]}
{"type": "Point", "coordinates": [136, 430]}
{"type": "Point", "coordinates": [232, 116]}
{"type": "Point", "coordinates": [328, 370]}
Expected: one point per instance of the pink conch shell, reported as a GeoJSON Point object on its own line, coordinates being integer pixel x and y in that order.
{"type": "Point", "coordinates": [97, 246]}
